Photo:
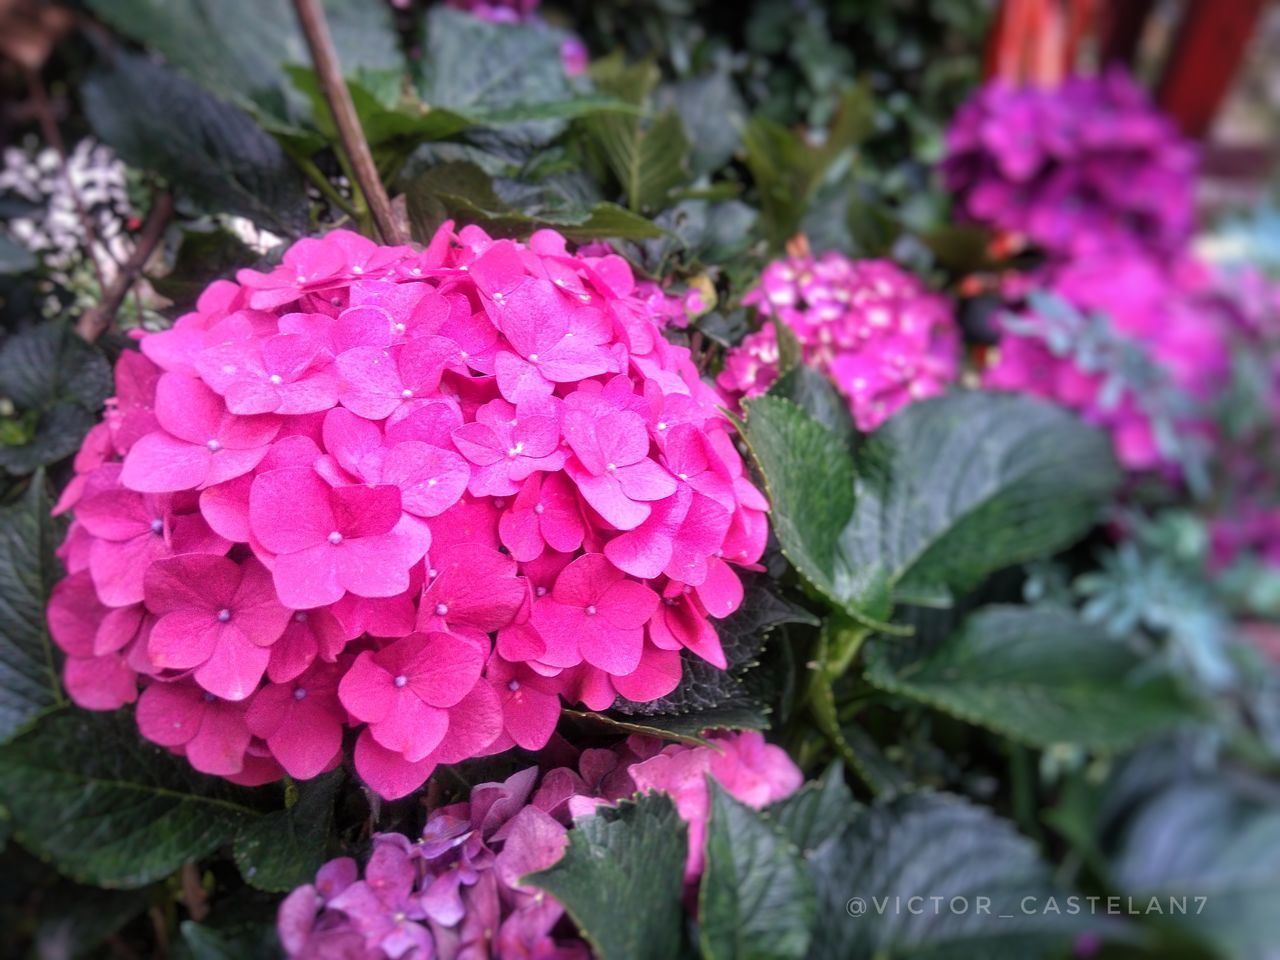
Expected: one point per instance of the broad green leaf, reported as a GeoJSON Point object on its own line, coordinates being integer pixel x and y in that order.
{"type": "Point", "coordinates": [815, 813]}
{"type": "Point", "coordinates": [813, 392]}
{"type": "Point", "coordinates": [58, 384]}
{"type": "Point", "coordinates": [283, 850]}
{"type": "Point", "coordinates": [648, 157]}
{"type": "Point", "coordinates": [1041, 676]}
{"type": "Point", "coordinates": [212, 152]}
{"type": "Point", "coordinates": [238, 49]}
{"type": "Point", "coordinates": [77, 919]}
{"type": "Point", "coordinates": [808, 476]}
{"type": "Point", "coordinates": [476, 68]}
{"type": "Point", "coordinates": [756, 899]}
{"type": "Point", "coordinates": [464, 192]}
{"type": "Point", "coordinates": [788, 170]}
{"type": "Point", "coordinates": [86, 792]}
{"type": "Point", "coordinates": [947, 492]}
{"type": "Point", "coordinates": [713, 116]}
{"type": "Point", "coordinates": [710, 693]}
{"type": "Point", "coordinates": [29, 683]}
{"type": "Point", "coordinates": [1202, 842]}
{"type": "Point", "coordinates": [935, 847]}
{"type": "Point", "coordinates": [621, 879]}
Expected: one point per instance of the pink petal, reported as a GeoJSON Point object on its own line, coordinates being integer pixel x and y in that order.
{"type": "Point", "coordinates": [388, 774]}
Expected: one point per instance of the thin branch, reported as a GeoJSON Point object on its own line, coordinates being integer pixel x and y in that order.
{"type": "Point", "coordinates": [336, 94]}
{"type": "Point", "coordinates": [95, 321]}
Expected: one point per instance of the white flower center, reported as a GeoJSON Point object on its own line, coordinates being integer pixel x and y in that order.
{"type": "Point", "coordinates": [335, 538]}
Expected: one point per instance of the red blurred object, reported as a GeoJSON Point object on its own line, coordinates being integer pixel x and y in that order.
{"type": "Point", "coordinates": [1036, 42]}
{"type": "Point", "coordinates": [1209, 49]}
{"type": "Point", "coordinates": [1039, 42]}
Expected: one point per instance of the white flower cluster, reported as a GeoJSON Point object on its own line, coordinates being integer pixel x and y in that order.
{"type": "Point", "coordinates": [94, 181]}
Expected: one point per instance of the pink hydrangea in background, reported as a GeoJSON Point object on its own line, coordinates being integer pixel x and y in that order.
{"type": "Point", "coordinates": [457, 892]}
{"type": "Point", "coordinates": [1141, 349]}
{"type": "Point", "coordinates": [424, 495]}
{"type": "Point", "coordinates": [881, 337]}
{"type": "Point", "coordinates": [1082, 167]}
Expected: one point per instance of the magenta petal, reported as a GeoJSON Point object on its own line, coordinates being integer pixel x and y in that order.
{"type": "Point", "coordinates": [387, 773]}
{"type": "Point", "coordinates": [656, 676]}
{"type": "Point", "coordinates": [160, 463]}
{"type": "Point", "coordinates": [410, 727]}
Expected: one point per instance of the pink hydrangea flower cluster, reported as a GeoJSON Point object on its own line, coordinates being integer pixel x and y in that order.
{"type": "Point", "coordinates": [881, 337]}
{"type": "Point", "coordinates": [456, 892]}
{"type": "Point", "coordinates": [424, 495]}
{"type": "Point", "coordinates": [1168, 318]}
{"type": "Point", "coordinates": [1085, 166]}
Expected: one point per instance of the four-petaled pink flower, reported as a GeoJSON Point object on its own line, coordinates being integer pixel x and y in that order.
{"type": "Point", "coordinates": [508, 442]}
{"type": "Point", "coordinates": [402, 691]}
{"type": "Point", "coordinates": [612, 466]}
{"type": "Point", "coordinates": [594, 613]}
{"type": "Point", "coordinates": [216, 617]}
{"type": "Point", "coordinates": [330, 540]}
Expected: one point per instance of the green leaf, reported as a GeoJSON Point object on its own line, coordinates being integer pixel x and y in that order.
{"type": "Point", "coordinates": [947, 492]}
{"type": "Point", "coordinates": [1040, 676]}
{"type": "Point", "coordinates": [808, 476]}
{"type": "Point", "coordinates": [707, 692]}
{"type": "Point", "coordinates": [934, 846]}
{"type": "Point", "coordinates": [1206, 841]}
{"type": "Point", "coordinates": [283, 850]}
{"type": "Point", "coordinates": [59, 383]}
{"type": "Point", "coordinates": [15, 258]}
{"type": "Point", "coordinates": [29, 683]}
{"type": "Point", "coordinates": [816, 812]}
{"type": "Point", "coordinates": [212, 152]}
{"type": "Point", "coordinates": [954, 488]}
{"type": "Point", "coordinates": [77, 919]}
{"type": "Point", "coordinates": [621, 879]}
{"type": "Point", "coordinates": [86, 792]}
{"type": "Point", "coordinates": [814, 393]}
{"type": "Point", "coordinates": [756, 899]}
{"type": "Point", "coordinates": [713, 116]}
{"type": "Point", "coordinates": [648, 158]}
{"type": "Point", "coordinates": [238, 49]}
{"type": "Point", "coordinates": [477, 68]}
{"type": "Point", "coordinates": [464, 192]}
{"type": "Point", "coordinates": [788, 170]}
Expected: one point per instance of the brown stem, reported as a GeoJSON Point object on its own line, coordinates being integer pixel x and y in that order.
{"type": "Point", "coordinates": [336, 94]}
{"type": "Point", "coordinates": [95, 321]}
{"type": "Point", "coordinates": [194, 897]}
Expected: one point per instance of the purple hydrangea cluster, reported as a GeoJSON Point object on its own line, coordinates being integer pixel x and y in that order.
{"type": "Point", "coordinates": [456, 893]}
{"type": "Point", "coordinates": [1139, 348]}
{"type": "Point", "coordinates": [1082, 167]}
{"type": "Point", "coordinates": [881, 337]}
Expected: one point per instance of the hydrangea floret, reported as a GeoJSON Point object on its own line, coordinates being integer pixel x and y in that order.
{"type": "Point", "coordinates": [882, 338]}
{"type": "Point", "coordinates": [424, 495]}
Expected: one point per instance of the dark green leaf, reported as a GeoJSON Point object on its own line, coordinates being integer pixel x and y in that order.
{"type": "Point", "coordinates": [1041, 676]}
{"type": "Point", "coordinates": [15, 258]}
{"type": "Point", "coordinates": [810, 390]}
{"type": "Point", "coordinates": [58, 382]}
{"type": "Point", "coordinates": [240, 942]}
{"type": "Point", "coordinates": [86, 792]}
{"type": "Point", "coordinates": [713, 116]}
{"type": "Point", "coordinates": [212, 152]}
{"type": "Point", "coordinates": [648, 158]}
{"type": "Point", "coordinates": [756, 899]}
{"type": "Point", "coordinates": [935, 847]}
{"type": "Point", "coordinates": [808, 475]}
{"type": "Point", "coordinates": [283, 850]}
{"type": "Point", "coordinates": [621, 879]}
{"type": "Point", "coordinates": [955, 488]}
{"type": "Point", "coordinates": [79, 918]}
{"type": "Point", "coordinates": [29, 682]}
{"type": "Point", "coordinates": [464, 192]}
{"type": "Point", "coordinates": [476, 68]}
{"type": "Point", "coordinates": [238, 48]}
{"type": "Point", "coordinates": [815, 813]}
